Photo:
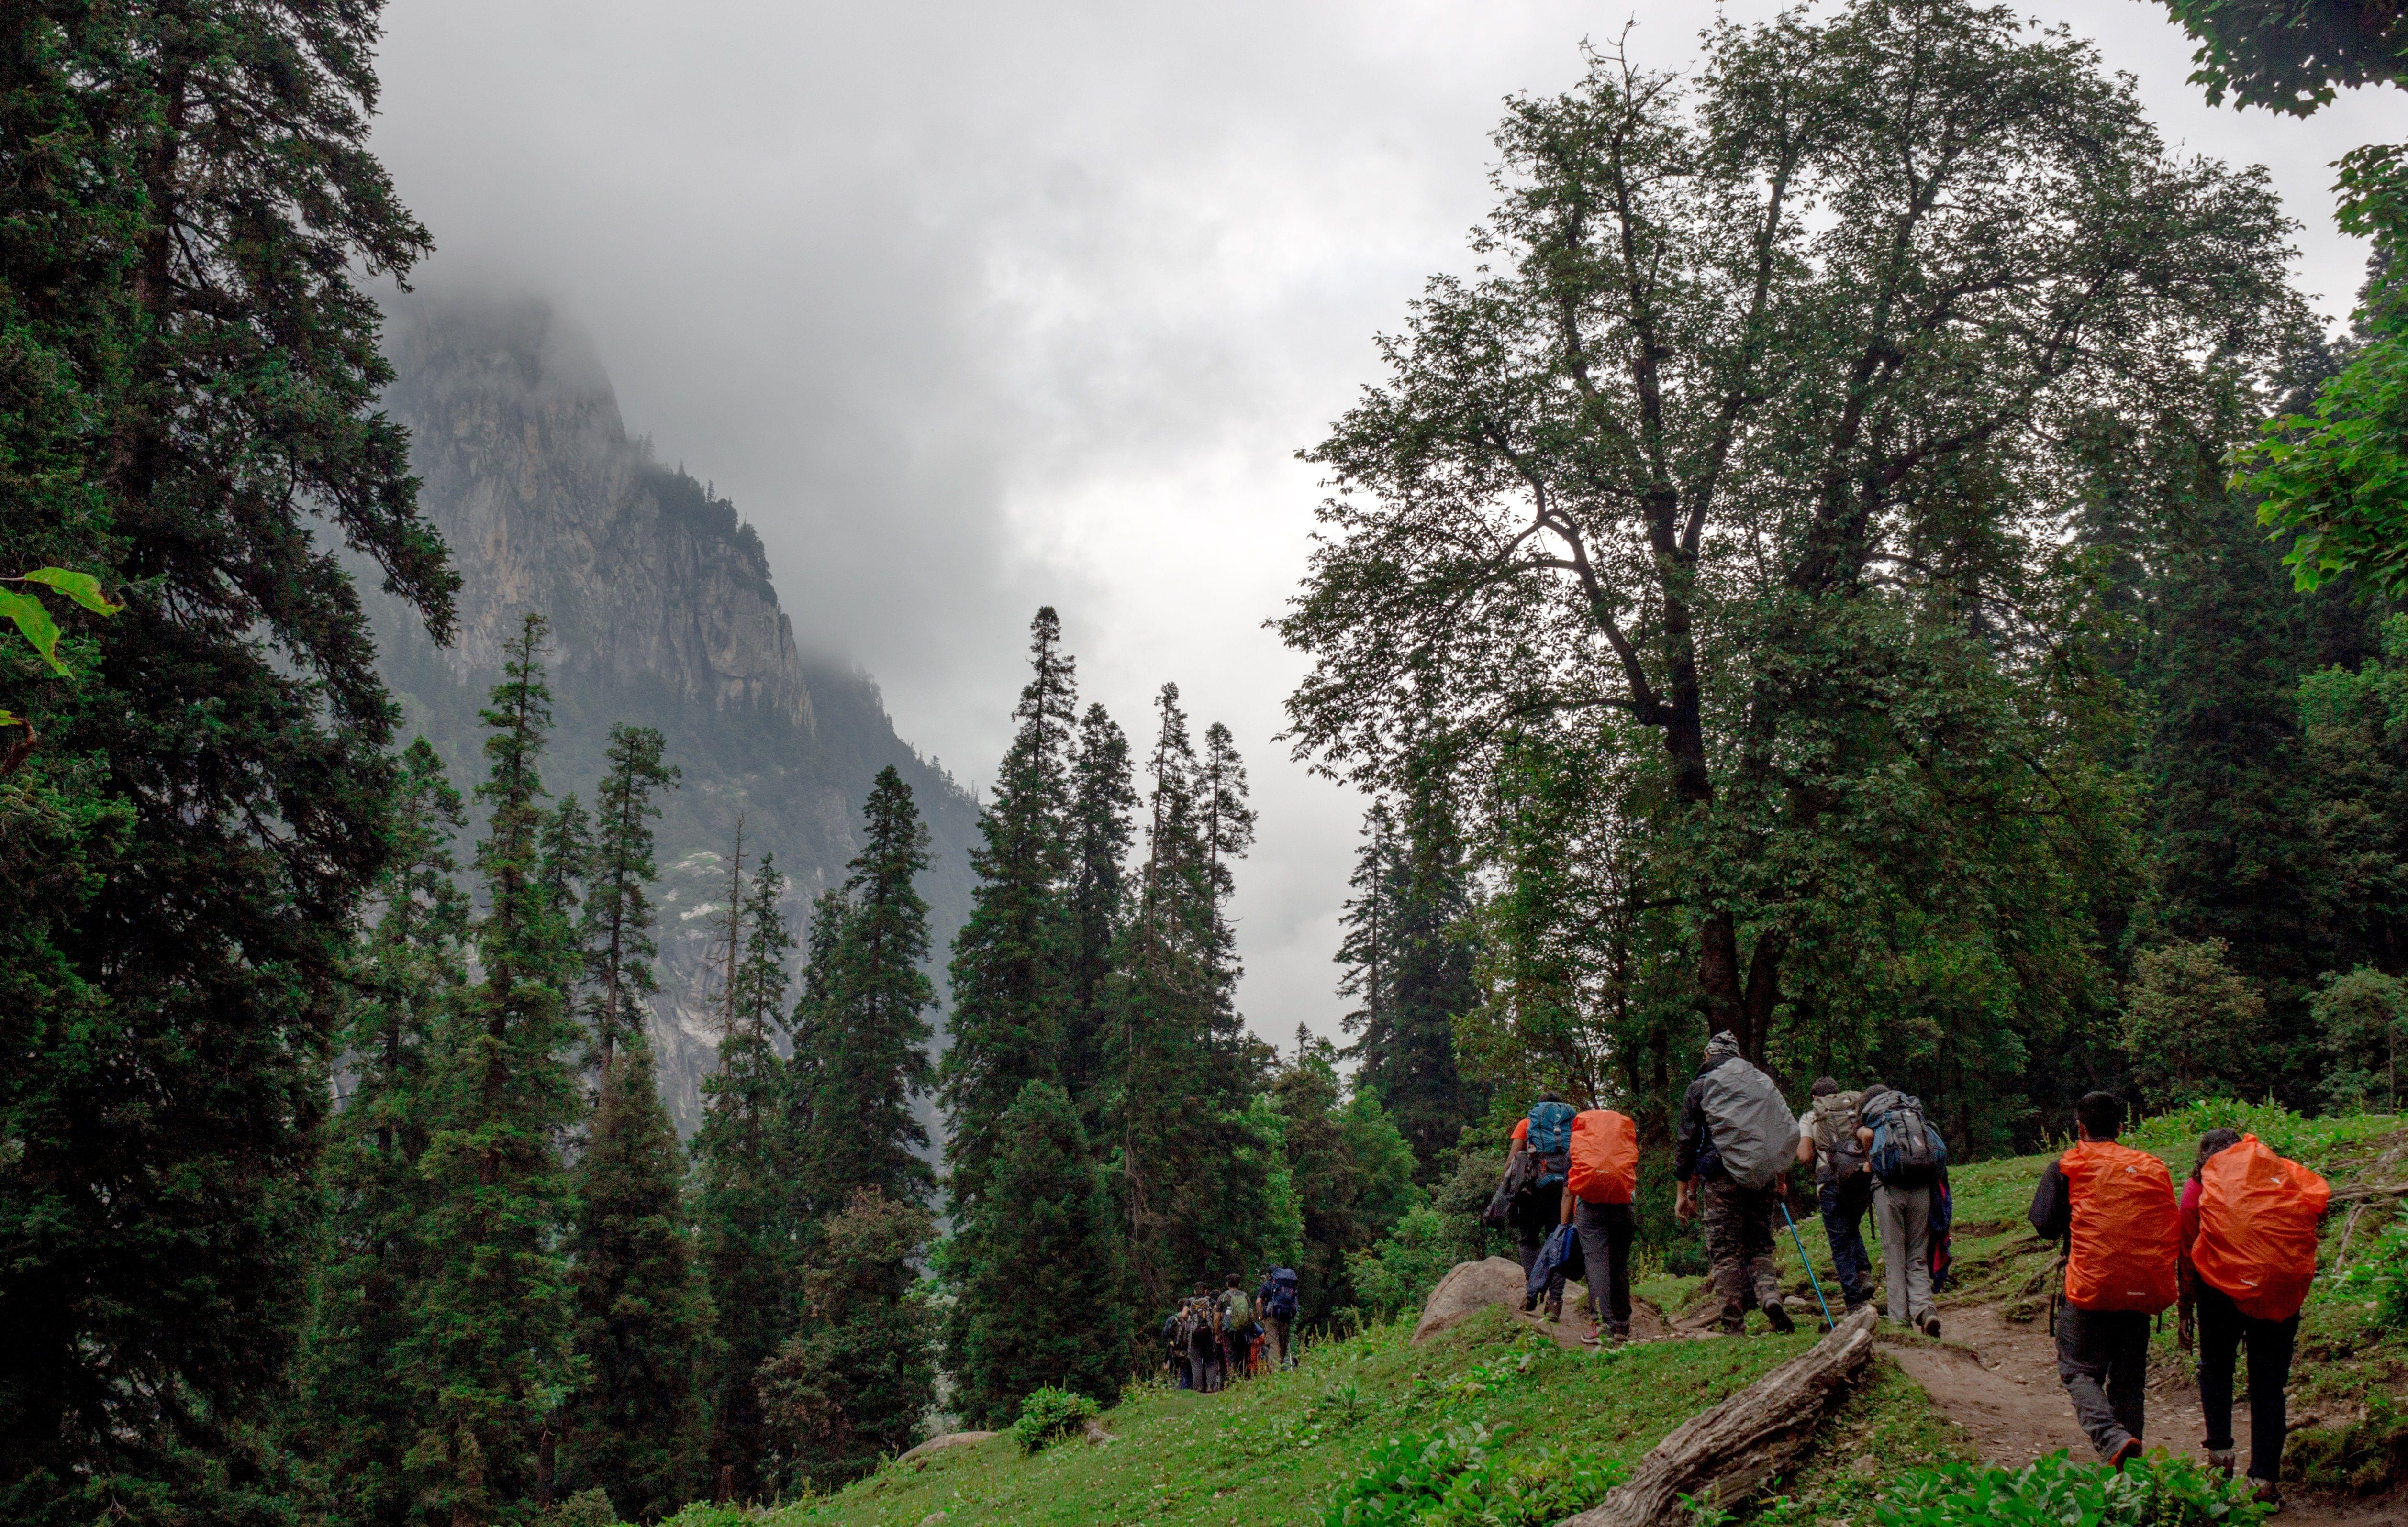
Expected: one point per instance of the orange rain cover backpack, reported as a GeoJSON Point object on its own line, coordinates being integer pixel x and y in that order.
{"type": "Point", "coordinates": [2126, 1229]}
{"type": "Point", "coordinates": [1604, 1158]}
{"type": "Point", "coordinates": [2258, 1215]}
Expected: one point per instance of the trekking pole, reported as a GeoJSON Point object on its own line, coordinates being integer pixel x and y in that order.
{"type": "Point", "coordinates": [1828, 1324]}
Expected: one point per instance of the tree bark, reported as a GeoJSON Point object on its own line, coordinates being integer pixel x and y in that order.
{"type": "Point", "coordinates": [1726, 1454]}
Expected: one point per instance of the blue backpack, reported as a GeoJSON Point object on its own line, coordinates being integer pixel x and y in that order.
{"type": "Point", "coordinates": [1551, 1141]}
{"type": "Point", "coordinates": [1907, 1152]}
{"type": "Point", "coordinates": [1279, 1293]}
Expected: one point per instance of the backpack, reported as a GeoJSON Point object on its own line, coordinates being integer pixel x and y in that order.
{"type": "Point", "coordinates": [1551, 1141]}
{"type": "Point", "coordinates": [2257, 1216]}
{"type": "Point", "coordinates": [1603, 1158]}
{"type": "Point", "coordinates": [1752, 1130]}
{"type": "Point", "coordinates": [1279, 1299]}
{"type": "Point", "coordinates": [2126, 1229]}
{"type": "Point", "coordinates": [1907, 1152]}
{"type": "Point", "coordinates": [1236, 1312]}
{"type": "Point", "coordinates": [1834, 1122]}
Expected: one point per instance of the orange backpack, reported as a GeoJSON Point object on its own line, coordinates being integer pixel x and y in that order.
{"type": "Point", "coordinates": [1604, 1157]}
{"type": "Point", "coordinates": [2126, 1229]}
{"type": "Point", "coordinates": [2258, 1217]}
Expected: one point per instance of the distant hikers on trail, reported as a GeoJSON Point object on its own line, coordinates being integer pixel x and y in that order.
{"type": "Point", "coordinates": [1212, 1338]}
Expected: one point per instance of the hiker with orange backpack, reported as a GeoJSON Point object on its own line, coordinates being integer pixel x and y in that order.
{"type": "Point", "coordinates": [2249, 1222]}
{"type": "Point", "coordinates": [1600, 1178]}
{"type": "Point", "coordinates": [2114, 1208]}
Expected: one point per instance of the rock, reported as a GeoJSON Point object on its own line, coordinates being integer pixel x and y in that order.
{"type": "Point", "coordinates": [1096, 1435]}
{"type": "Point", "coordinates": [950, 1439]}
{"type": "Point", "coordinates": [1469, 1289]}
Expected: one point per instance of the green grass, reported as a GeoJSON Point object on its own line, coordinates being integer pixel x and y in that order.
{"type": "Point", "coordinates": [1276, 1448]}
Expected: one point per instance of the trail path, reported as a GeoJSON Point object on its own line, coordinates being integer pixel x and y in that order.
{"type": "Point", "coordinates": [1997, 1380]}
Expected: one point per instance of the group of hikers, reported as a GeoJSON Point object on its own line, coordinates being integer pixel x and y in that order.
{"type": "Point", "coordinates": [1214, 1338]}
{"type": "Point", "coordinates": [2234, 1253]}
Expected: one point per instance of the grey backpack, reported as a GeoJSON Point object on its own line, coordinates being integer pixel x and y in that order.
{"type": "Point", "coordinates": [1754, 1130]}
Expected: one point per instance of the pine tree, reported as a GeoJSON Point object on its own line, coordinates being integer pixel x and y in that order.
{"type": "Point", "coordinates": [362, 1397]}
{"type": "Point", "coordinates": [1103, 801]}
{"type": "Point", "coordinates": [635, 1428]}
{"type": "Point", "coordinates": [496, 1320]}
{"type": "Point", "coordinates": [1408, 962]}
{"type": "Point", "coordinates": [849, 1388]}
{"type": "Point", "coordinates": [870, 1038]}
{"type": "Point", "coordinates": [1181, 1069]}
{"type": "Point", "coordinates": [192, 377]}
{"type": "Point", "coordinates": [1008, 960]}
{"type": "Point", "coordinates": [747, 1154]}
{"type": "Point", "coordinates": [617, 928]}
{"type": "Point", "coordinates": [1033, 1271]}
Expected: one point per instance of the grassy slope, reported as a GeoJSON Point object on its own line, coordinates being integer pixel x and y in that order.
{"type": "Point", "coordinates": [1275, 1448]}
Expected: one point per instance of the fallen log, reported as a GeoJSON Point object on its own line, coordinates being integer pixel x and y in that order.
{"type": "Point", "coordinates": [1727, 1453]}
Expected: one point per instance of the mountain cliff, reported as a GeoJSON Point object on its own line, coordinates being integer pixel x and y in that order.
{"type": "Point", "coordinates": [663, 614]}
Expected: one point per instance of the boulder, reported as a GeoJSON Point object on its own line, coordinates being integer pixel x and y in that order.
{"type": "Point", "coordinates": [950, 1439]}
{"type": "Point", "coordinates": [1469, 1289]}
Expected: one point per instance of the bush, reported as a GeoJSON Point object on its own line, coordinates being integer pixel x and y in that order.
{"type": "Point", "coordinates": [704, 1514]}
{"type": "Point", "coordinates": [2155, 1491]}
{"type": "Point", "coordinates": [1051, 1413]}
{"type": "Point", "coordinates": [1398, 1273]}
{"type": "Point", "coordinates": [1453, 1480]}
{"type": "Point", "coordinates": [586, 1508]}
{"type": "Point", "coordinates": [2381, 1275]}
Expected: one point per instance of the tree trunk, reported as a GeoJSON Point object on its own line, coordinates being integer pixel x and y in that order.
{"type": "Point", "coordinates": [1726, 1454]}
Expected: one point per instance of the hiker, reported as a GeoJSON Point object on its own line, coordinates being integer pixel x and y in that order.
{"type": "Point", "coordinates": [1174, 1341]}
{"type": "Point", "coordinates": [1904, 1156]}
{"type": "Point", "coordinates": [2249, 1221]}
{"type": "Point", "coordinates": [1600, 1178]}
{"type": "Point", "coordinates": [1203, 1342]}
{"type": "Point", "coordinates": [1737, 1139]}
{"type": "Point", "coordinates": [1844, 1187]}
{"type": "Point", "coordinates": [1545, 1134]}
{"type": "Point", "coordinates": [2114, 1208]}
{"type": "Point", "coordinates": [1276, 1302]}
{"type": "Point", "coordinates": [1236, 1312]}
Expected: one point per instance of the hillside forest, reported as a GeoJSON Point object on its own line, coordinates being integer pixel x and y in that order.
{"type": "Point", "coordinates": [1877, 559]}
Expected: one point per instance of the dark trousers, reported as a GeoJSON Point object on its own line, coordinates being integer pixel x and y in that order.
{"type": "Point", "coordinates": [1605, 1232]}
{"type": "Point", "coordinates": [2102, 1356]}
{"type": "Point", "coordinates": [2223, 1331]}
{"type": "Point", "coordinates": [1844, 1204]}
{"type": "Point", "coordinates": [1235, 1350]}
{"type": "Point", "coordinates": [1204, 1363]}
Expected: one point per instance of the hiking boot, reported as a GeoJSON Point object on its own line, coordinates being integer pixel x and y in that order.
{"type": "Point", "coordinates": [2131, 1450]}
{"type": "Point", "coordinates": [1555, 1309]}
{"type": "Point", "coordinates": [1618, 1330]}
{"type": "Point", "coordinates": [2219, 1460]}
{"type": "Point", "coordinates": [2266, 1492]}
{"type": "Point", "coordinates": [1778, 1313]}
{"type": "Point", "coordinates": [1930, 1324]}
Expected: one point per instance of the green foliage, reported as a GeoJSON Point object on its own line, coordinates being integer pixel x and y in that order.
{"type": "Point", "coordinates": [617, 924]}
{"type": "Point", "coordinates": [585, 1508]}
{"type": "Point", "coordinates": [853, 1383]}
{"type": "Point", "coordinates": [1047, 1415]}
{"type": "Point", "coordinates": [2361, 1018]}
{"type": "Point", "coordinates": [1454, 1479]}
{"type": "Point", "coordinates": [2336, 479]}
{"type": "Point", "coordinates": [2154, 1491]}
{"type": "Point", "coordinates": [1397, 1275]}
{"type": "Point", "coordinates": [2287, 56]}
{"type": "Point", "coordinates": [2191, 1021]}
{"type": "Point", "coordinates": [34, 623]}
{"type": "Point", "coordinates": [635, 1428]}
{"type": "Point", "coordinates": [1035, 1269]}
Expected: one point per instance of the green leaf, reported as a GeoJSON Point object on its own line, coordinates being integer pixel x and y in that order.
{"type": "Point", "coordinates": [36, 622]}
{"type": "Point", "coordinates": [82, 588]}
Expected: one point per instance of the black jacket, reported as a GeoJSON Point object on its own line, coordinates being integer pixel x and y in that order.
{"type": "Point", "coordinates": [1692, 1153]}
{"type": "Point", "coordinates": [2052, 1205]}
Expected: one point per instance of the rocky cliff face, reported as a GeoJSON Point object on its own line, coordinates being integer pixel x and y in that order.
{"type": "Point", "coordinates": [663, 614]}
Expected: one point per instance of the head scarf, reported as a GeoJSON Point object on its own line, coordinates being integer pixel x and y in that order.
{"type": "Point", "coordinates": [1722, 1047]}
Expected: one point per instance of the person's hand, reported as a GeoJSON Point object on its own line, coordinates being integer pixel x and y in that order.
{"type": "Point", "coordinates": [1684, 1203]}
{"type": "Point", "coordinates": [2182, 1331]}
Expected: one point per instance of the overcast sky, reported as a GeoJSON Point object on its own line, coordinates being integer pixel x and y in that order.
{"type": "Point", "coordinates": [972, 307]}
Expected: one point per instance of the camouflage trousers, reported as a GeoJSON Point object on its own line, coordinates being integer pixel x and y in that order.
{"type": "Point", "coordinates": [1739, 1246]}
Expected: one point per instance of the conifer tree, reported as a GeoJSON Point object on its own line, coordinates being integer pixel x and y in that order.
{"type": "Point", "coordinates": [362, 1395]}
{"type": "Point", "coordinates": [191, 375]}
{"type": "Point", "coordinates": [496, 1320]}
{"type": "Point", "coordinates": [1182, 1068]}
{"type": "Point", "coordinates": [1034, 1270]}
{"type": "Point", "coordinates": [850, 1386]}
{"type": "Point", "coordinates": [1103, 801]}
{"type": "Point", "coordinates": [870, 1038]}
{"type": "Point", "coordinates": [1007, 969]}
{"type": "Point", "coordinates": [635, 1428]}
{"type": "Point", "coordinates": [1409, 961]}
{"type": "Point", "coordinates": [746, 1151]}
{"type": "Point", "coordinates": [617, 927]}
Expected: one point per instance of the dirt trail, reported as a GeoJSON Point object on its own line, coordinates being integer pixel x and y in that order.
{"type": "Point", "coordinates": [1997, 1380]}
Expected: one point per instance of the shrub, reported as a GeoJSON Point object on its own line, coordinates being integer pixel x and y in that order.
{"type": "Point", "coordinates": [1452, 1478]}
{"type": "Point", "coordinates": [2155, 1491]}
{"type": "Point", "coordinates": [1051, 1413]}
{"type": "Point", "coordinates": [2381, 1275]}
{"type": "Point", "coordinates": [586, 1508]}
{"type": "Point", "coordinates": [1398, 1273]}
{"type": "Point", "coordinates": [704, 1514]}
